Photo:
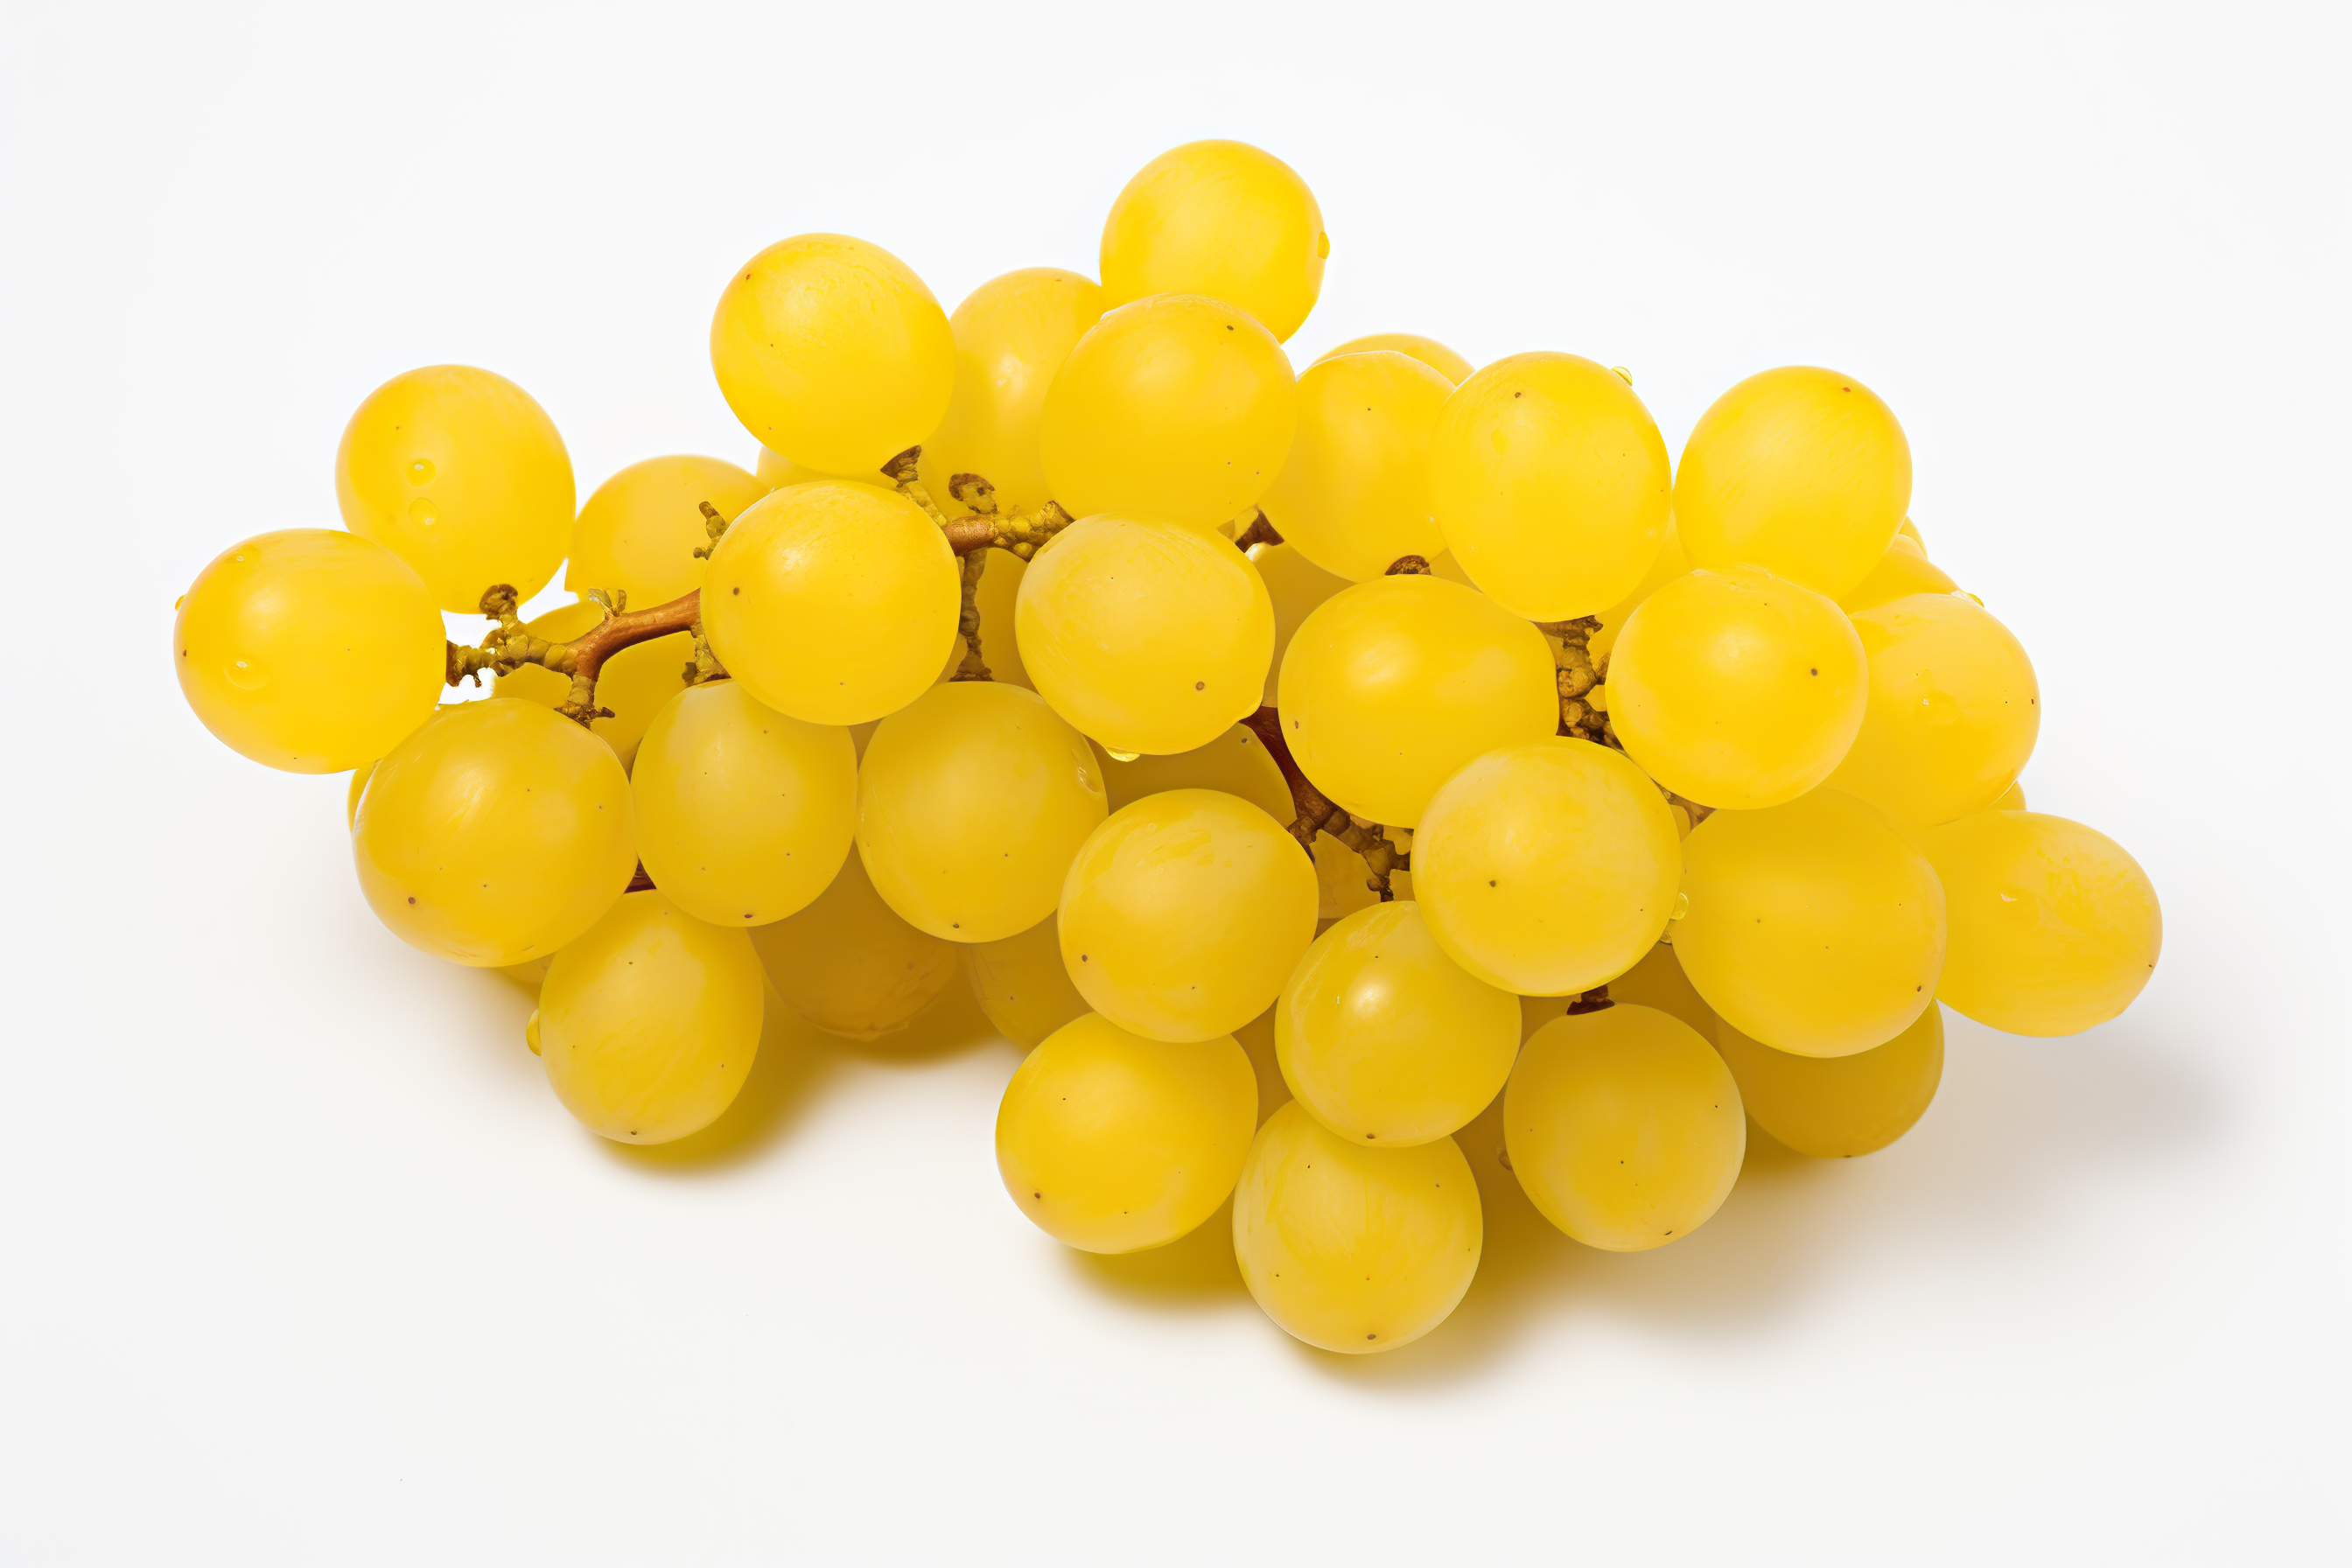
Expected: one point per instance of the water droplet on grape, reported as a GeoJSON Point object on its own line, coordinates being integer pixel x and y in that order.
{"type": "Point", "coordinates": [1939, 708]}
{"type": "Point", "coordinates": [422, 513]}
{"type": "Point", "coordinates": [245, 675]}
{"type": "Point", "coordinates": [530, 1032]}
{"type": "Point", "coordinates": [420, 472]}
{"type": "Point", "coordinates": [1622, 373]}
{"type": "Point", "coordinates": [1682, 906]}
{"type": "Point", "coordinates": [1122, 756]}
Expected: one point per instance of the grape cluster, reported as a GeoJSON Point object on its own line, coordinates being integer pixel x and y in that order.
{"type": "Point", "coordinates": [1649, 797]}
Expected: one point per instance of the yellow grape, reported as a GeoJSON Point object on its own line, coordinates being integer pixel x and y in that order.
{"type": "Point", "coordinates": [1669, 565]}
{"type": "Point", "coordinates": [1235, 763]}
{"type": "Point", "coordinates": [850, 966]}
{"type": "Point", "coordinates": [1800, 470]}
{"type": "Point", "coordinates": [1185, 912]}
{"type": "Point", "coordinates": [1353, 495]}
{"type": "Point", "coordinates": [1112, 1142]}
{"type": "Point", "coordinates": [2012, 799]}
{"type": "Point", "coordinates": [1625, 1127]}
{"type": "Point", "coordinates": [776, 472]}
{"type": "Point", "coordinates": [1910, 531]}
{"type": "Point", "coordinates": [744, 815]}
{"type": "Point", "coordinates": [640, 529]}
{"type": "Point", "coordinates": [1834, 1108]}
{"type": "Point", "coordinates": [496, 833]}
{"type": "Point", "coordinates": [1428, 350]}
{"type": "Point", "coordinates": [1953, 710]}
{"type": "Point", "coordinates": [2054, 928]}
{"type": "Point", "coordinates": [1175, 407]}
{"type": "Point", "coordinates": [1547, 868]}
{"type": "Point", "coordinates": [1351, 1247]}
{"type": "Point", "coordinates": [832, 353]}
{"type": "Point", "coordinates": [1657, 980]}
{"type": "Point", "coordinates": [1551, 483]}
{"type": "Point", "coordinates": [833, 601]}
{"type": "Point", "coordinates": [1220, 218]}
{"type": "Point", "coordinates": [1012, 334]}
{"type": "Point", "coordinates": [972, 802]}
{"type": "Point", "coordinates": [1144, 634]}
{"type": "Point", "coordinates": [1393, 685]}
{"type": "Point", "coordinates": [634, 683]}
{"type": "Point", "coordinates": [1815, 927]}
{"type": "Point", "coordinates": [1295, 586]}
{"type": "Point", "coordinates": [1256, 1039]}
{"type": "Point", "coordinates": [648, 1022]}
{"type": "Point", "coordinates": [1020, 984]}
{"type": "Point", "coordinates": [1903, 571]}
{"type": "Point", "coordinates": [456, 471]}
{"type": "Point", "coordinates": [1737, 688]}
{"type": "Point", "coordinates": [308, 650]}
{"type": "Point", "coordinates": [1384, 1039]}
{"type": "Point", "coordinates": [356, 788]}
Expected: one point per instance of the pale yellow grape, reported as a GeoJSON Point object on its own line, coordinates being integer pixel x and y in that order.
{"type": "Point", "coordinates": [1175, 407]}
{"type": "Point", "coordinates": [1903, 571]}
{"type": "Point", "coordinates": [1393, 685]}
{"type": "Point", "coordinates": [1021, 984]}
{"type": "Point", "coordinates": [2012, 799]}
{"type": "Point", "coordinates": [1551, 484]}
{"type": "Point", "coordinates": [1657, 980]}
{"type": "Point", "coordinates": [1953, 712]}
{"type": "Point", "coordinates": [1385, 1039]}
{"type": "Point", "coordinates": [1428, 350]}
{"type": "Point", "coordinates": [460, 474]}
{"type": "Point", "coordinates": [744, 815]}
{"type": "Point", "coordinates": [1669, 565]}
{"type": "Point", "coordinates": [1834, 1108]}
{"type": "Point", "coordinates": [634, 683]}
{"type": "Point", "coordinates": [1910, 531]}
{"type": "Point", "coordinates": [1625, 1127]}
{"type": "Point", "coordinates": [1815, 927]}
{"type": "Point", "coordinates": [832, 353]}
{"type": "Point", "coordinates": [1235, 761]}
{"type": "Point", "coordinates": [309, 650]}
{"type": "Point", "coordinates": [1012, 334]}
{"type": "Point", "coordinates": [1353, 495]}
{"type": "Point", "coordinates": [1295, 586]}
{"type": "Point", "coordinates": [1737, 688]}
{"type": "Point", "coordinates": [776, 472]}
{"type": "Point", "coordinates": [1349, 1247]}
{"type": "Point", "coordinates": [1183, 914]}
{"type": "Point", "coordinates": [834, 603]}
{"type": "Point", "coordinates": [1220, 218]}
{"type": "Point", "coordinates": [640, 529]}
{"type": "Point", "coordinates": [2054, 928]}
{"type": "Point", "coordinates": [648, 1022]}
{"type": "Point", "coordinates": [1547, 868]}
{"type": "Point", "coordinates": [494, 833]}
{"type": "Point", "coordinates": [1147, 636]}
{"type": "Point", "coordinates": [1801, 470]}
{"type": "Point", "coordinates": [848, 964]}
{"type": "Point", "coordinates": [1112, 1142]}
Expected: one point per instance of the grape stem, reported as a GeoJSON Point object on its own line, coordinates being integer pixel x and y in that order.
{"type": "Point", "coordinates": [1583, 704]}
{"type": "Point", "coordinates": [1259, 531]}
{"type": "Point", "coordinates": [1316, 813]}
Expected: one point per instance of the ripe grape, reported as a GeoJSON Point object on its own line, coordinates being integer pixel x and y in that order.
{"type": "Point", "coordinates": [1800, 470]}
{"type": "Point", "coordinates": [1815, 927]}
{"type": "Point", "coordinates": [1384, 1039]}
{"type": "Point", "coordinates": [634, 683]}
{"type": "Point", "coordinates": [1012, 334]}
{"type": "Point", "coordinates": [1903, 571]}
{"type": "Point", "coordinates": [776, 472]}
{"type": "Point", "coordinates": [1657, 980]}
{"type": "Point", "coordinates": [744, 814]}
{"type": "Point", "coordinates": [1834, 1108]}
{"type": "Point", "coordinates": [1428, 350]}
{"type": "Point", "coordinates": [496, 833]}
{"type": "Point", "coordinates": [2054, 928]}
{"type": "Point", "coordinates": [1020, 984]}
{"type": "Point", "coordinates": [1295, 586]}
{"type": "Point", "coordinates": [1351, 1247]}
{"type": "Point", "coordinates": [848, 964]}
{"type": "Point", "coordinates": [1235, 761]}
{"type": "Point", "coordinates": [832, 353]}
{"type": "Point", "coordinates": [1735, 688]}
{"type": "Point", "coordinates": [648, 1022]}
{"type": "Point", "coordinates": [1219, 218]}
{"type": "Point", "coordinates": [1625, 1127]}
{"type": "Point", "coordinates": [640, 529]}
{"type": "Point", "coordinates": [1953, 710]}
{"type": "Point", "coordinates": [833, 601]}
{"type": "Point", "coordinates": [308, 650]}
{"type": "Point", "coordinates": [1183, 913]}
{"type": "Point", "coordinates": [1551, 483]}
{"type": "Point", "coordinates": [1112, 1142]}
{"type": "Point", "coordinates": [1353, 494]}
{"type": "Point", "coordinates": [1668, 564]}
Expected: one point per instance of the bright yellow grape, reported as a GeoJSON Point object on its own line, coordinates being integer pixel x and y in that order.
{"type": "Point", "coordinates": [1834, 1108]}
{"type": "Point", "coordinates": [1020, 984]}
{"type": "Point", "coordinates": [1235, 761]}
{"type": "Point", "coordinates": [1220, 218]}
{"type": "Point", "coordinates": [850, 966]}
{"type": "Point", "coordinates": [640, 529]}
{"type": "Point", "coordinates": [1012, 334]}
{"type": "Point", "coordinates": [1903, 571]}
{"type": "Point", "coordinates": [1428, 350]}
{"type": "Point", "coordinates": [635, 682]}
{"type": "Point", "coordinates": [1657, 980]}
{"type": "Point", "coordinates": [1295, 586]}
{"type": "Point", "coordinates": [1668, 564]}
{"type": "Point", "coordinates": [1353, 495]}
{"type": "Point", "coordinates": [1953, 711]}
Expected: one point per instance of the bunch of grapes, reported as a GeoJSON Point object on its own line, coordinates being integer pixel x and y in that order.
{"type": "Point", "coordinates": [1428, 729]}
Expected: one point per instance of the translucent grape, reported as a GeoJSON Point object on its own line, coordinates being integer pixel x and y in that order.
{"type": "Point", "coordinates": [1351, 1247]}
{"type": "Point", "coordinates": [1834, 1108]}
{"type": "Point", "coordinates": [1295, 586]}
{"type": "Point", "coordinates": [1183, 914]}
{"type": "Point", "coordinates": [495, 834]}
{"type": "Point", "coordinates": [1551, 483]}
{"type": "Point", "coordinates": [1800, 470]}
{"type": "Point", "coordinates": [1175, 407]}
{"type": "Point", "coordinates": [1393, 685]}
{"type": "Point", "coordinates": [1111, 1142]}
{"type": "Point", "coordinates": [1910, 531]}
{"type": "Point", "coordinates": [833, 601]}
{"type": "Point", "coordinates": [832, 353]}
{"type": "Point", "coordinates": [1547, 868]}
{"type": "Point", "coordinates": [1220, 218]}
{"type": "Point", "coordinates": [1146, 636]}
{"type": "Point", "coordinates": [648, 1022]}
{"type": "Point", "coordinates": [1657, 980]}
{"type": "Point", "coordinates": [744, 815]}
{"type": "Point", "coordinates": [1735, 688]}
{"type": "Point", "coordinates": [1668, 564]}
{"type": "Point", "coordinates": [1020, 984]}
{"type": "Point", "coordinates": [1384, 1039]}
{"type": "Point", "coordinates": [2054, 928]}
{"type": "Point", "coordinates": [1903, 571]}
{"type": "Point", "coordinates": [1428, 350]}
{"type": "Point", "coordinates": [1953, 713]}
{"type": "Point", "coordinates": [1353, 495]}
{"type": "Point", "coordinates": [1012, 334]}
{"type": "Point", "coordinates": [1235, 763]}
{"type": "Point", "coordinates": [640, 529]}
{"type": "Point", "coordinates": [1814, 927]}
{"type": "Point", "coordinates": [1625, 1127]}
{"type": "Point", "coordinates": [634, 682]}
{"type": "Point", "coordinates": [848, 964]}
{"type": "Point", "coordinates": [308, 650]}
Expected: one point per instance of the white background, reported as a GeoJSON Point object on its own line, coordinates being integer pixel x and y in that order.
{"type": "Point", "coordinates": [302, 1262]}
